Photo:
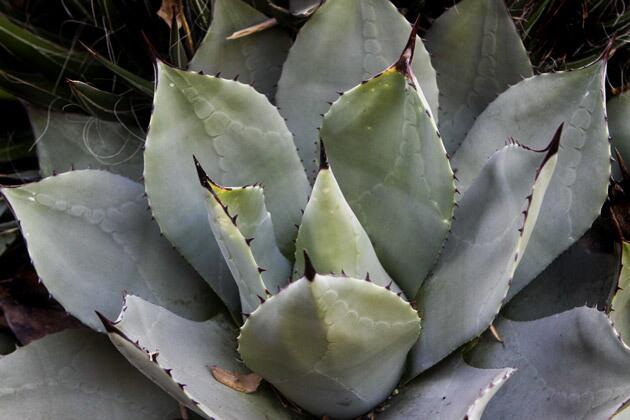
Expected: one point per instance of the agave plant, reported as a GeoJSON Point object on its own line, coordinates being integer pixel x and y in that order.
{"type": "Point", "coordinates": [350, 265]}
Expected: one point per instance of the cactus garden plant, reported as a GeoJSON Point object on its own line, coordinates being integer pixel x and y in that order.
{"type": "Point", "coordinates": [344, 252]}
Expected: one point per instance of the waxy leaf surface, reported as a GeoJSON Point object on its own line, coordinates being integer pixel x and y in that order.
{"type": "Point", "coordinates": [239, 139]}
{"type": "Point", "coordinates": [77, 374]}
{"type": "Point", "coordinates": [490, 233]}
{"type": "Point", "coordinates": [530, 112]}
{"type": "Point", "coordinates": [570, 366]}
{"type": "Point", "coordinates": [385, 151]}
{"type": "Point", "coordinates": [91, 239]}
{"type": "Point", "coordinates": [177, 354]}
{"type": "Point", "coordinates": [342, 44]}
{"type": "Point", "coordinates": [333, 237]}
{"type": "Point", "coordinates": [68, 141]}
{"type": "Point", "coordinates": [256, 58]}
{"type": "Point", "coordinates": [334, 345]}
{"type": "Point", "coordinates": [477, 54]}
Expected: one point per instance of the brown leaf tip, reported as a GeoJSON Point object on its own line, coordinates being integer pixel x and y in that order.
{"type": "Point", "coordinates": [204, 179]}
{"type": "Point", "coordinates": [110, 327]}
{"type": "Point", "coordinates": [554, 145]}
{"type": "Point", "coordinates": [309, 269]}
{"type": "Point", "coordinates": [403, 65]}
{"type": "Point", "coordinates": [323, 158]}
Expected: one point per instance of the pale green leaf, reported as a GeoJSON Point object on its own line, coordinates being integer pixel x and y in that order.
{"type": "Point", "coordinates": [333, 237]}
{"type": "Point", "coordinates": [391, 165]}
{"type": "Point", "coordinates": [68, 141]}
{"type": "Point", "coordinates": [452, 390]}
{"type": "Point", "coordinates": [570, 366]}
{"type": "Point", "coordinates": [77, 374]}
{"type": "Point", "coordinates": [289, 340]}
{"type": "Point", "coordinates": [256, 58]}
{"type": "Point", "coordinates": [342, 44]}
{"type": "Point", "coordinates": [177, 354]}
{"type": "Point", "coordinates": [620, 306]}
{"type": "Point", "coordinates": [477, 54]}
{"type": "Point", "coordinates": [530, 112]}
{"type": "Point", "coordinates": [91, 238]}
{"type": "Point", "coordinates": [585, 274]}
{"type": "Point", "coordinates": [242, 226]}
{"type": "Point", "coordinates": [490, 233]}
{"type": "Point", "coordinates": [239, 138]}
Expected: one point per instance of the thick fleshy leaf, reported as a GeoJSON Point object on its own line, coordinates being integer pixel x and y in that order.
{"type": "Point", "coordinates": [68, 141]}
{"type": "Point", "coordinates": [391, 165]}
{"type": "Point", "coordinates": [620, 306]}
{"type": "Point", "coordinates": [240, 139]}
{"type": "Point", "coordinates": [585, 274]}
{"type": "Point", "coordinates": [342, 44]}
{"type": "Point", "coordinates": [618, 109]}
{"type": "Point", "coordinates": [336, 346]}
{"type": "Point", "coordinates": [477, 54]}
{"type": "Point", "coordinates": [91, 238]}
{"type": "Point", "coordinates": [452, 390]}
{"type": "Point", "coordinates": [490, 233]}
{"type": "Point", "coordinates": [256, 58]}
{"type": "Point", "coordinates": [177, 354]}
{"type": "Point", "coordinates": [242, 226]}
{"type": "Point", "coordinates": [77, 374]}
{"type": "Point", "coordinates": [333, 237]}
{"type": "Point", "coordinates": [570, 366]}
{"type": "Point", "coordinates": [529, 112]}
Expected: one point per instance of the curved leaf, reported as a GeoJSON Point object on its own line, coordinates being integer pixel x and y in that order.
{"type": "Point", "coordinates": [477, 54]}
{"type": "Point", "coordinates": [490, 233]}
{"type": "Point", "coordinates": [133, 80]}
{"type": "Point", "coordinates": [452, 390]}
{"type": "Point", "coordinates": [77, 374]}
{"type": "Point", "coordinates": [333, 237]}
{"type": "Point", "coordinates": [255, 59]}
{"type": "Point", "coordinates": [39, 52]}
{"type": "Point", "coordinates": [334, 345]}
{"type": "Point", "coordinates": [392, 168]}
{"type": "Point", "coordinates": [620, 305]}
{"type": "Point", "coordinates": [585, 274]}
{"type": "Point", "coordinates": [91, 238]}
{"type": "Point", "coordinates": [177, 353]}
{"type": "Point", "coordinates": [570, 366]}
{"type": "Point", "coordinates": [36, 89]}
{"type": "Point", "coordinates": [529, 112]}
{"type": "Point", "coordinates": [68, 141]}
{"type": "Point", "coordinates": [240, 139]}
{"type": "Point", "coordinates": [108, 105]}
{"type": "Point", "coordinates": [342, 44]}
{"type": "Point", "coordinates": [242, 226]}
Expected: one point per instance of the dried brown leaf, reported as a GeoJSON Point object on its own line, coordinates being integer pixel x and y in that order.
{"type": "Point", "coordinates": [170, 9]}
{"type": "Point", "coordinates": [242, 382]}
